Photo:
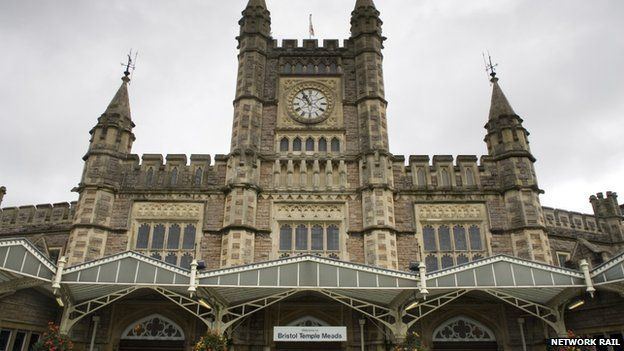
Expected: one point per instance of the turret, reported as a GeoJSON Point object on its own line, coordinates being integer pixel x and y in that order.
{"type": "Point", "coordinates": [608, 214]}
{"type": "Point", "coordinates": [366, 35]}
{"type": "Point", "coordinates": [508, 144]}
{"type": "Point", "coordinates": [243, 164]}
{"type": "Point", "coordinates": [110, 144]}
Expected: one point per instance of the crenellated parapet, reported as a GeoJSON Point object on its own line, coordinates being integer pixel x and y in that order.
{"type": "Point", "coordinates": [174, 171]}
{"type": "Point", "coordinates": [31, 217]}
{"type": "Point", "coordinates": [445, 173]}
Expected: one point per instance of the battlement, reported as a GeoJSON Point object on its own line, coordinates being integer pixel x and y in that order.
{"type": "Point", "coordinates": [555, 217]}
{"type": "Point", "coordinates": [444, 172]}
{"type": "Point", "coordinates": [43, 214]}
{"type": "Point", "coordinates": [174, 170]}
{"type": "Point", "coordinates": [311, 45]}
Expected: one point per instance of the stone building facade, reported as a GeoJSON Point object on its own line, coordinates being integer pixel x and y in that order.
{"type": "Point", "coordinates": [310, 182]}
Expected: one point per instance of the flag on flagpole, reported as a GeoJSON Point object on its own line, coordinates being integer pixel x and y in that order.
{"type": "Point", "coordinates": [311, 27]}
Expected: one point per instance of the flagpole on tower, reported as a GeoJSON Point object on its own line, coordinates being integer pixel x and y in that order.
{"type": "Point", "coordinates": [311, 27]}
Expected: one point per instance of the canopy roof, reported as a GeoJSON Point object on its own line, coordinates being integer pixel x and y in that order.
{"type": "Point", "coordinates": [529, 280]}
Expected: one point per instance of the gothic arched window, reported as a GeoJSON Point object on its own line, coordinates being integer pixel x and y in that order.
{"type": "Point", "coordinates": [447, 261]}
{"type": "Point", "coordinates": [335, 145]}
{"type": "Point", "coordinates": [475, 238]}
{"type": "Point", "coordinates": [431, 261]}
{"type": "Point", "coordinates": [287, 68]}
{"type": "Point", "coordinates": [332, 68]}
{"type": "Point", "coordinates": [459, 234]}
{"type": "Point", "coordinates": [317, 238]}
{"type": "Point", "coordinates": [322, 145]}
{"type": "Point", "coordinates": [171, 258]}
{"type": "Point", "coordinates": [310, 68]}
{"type": "Point", "coordinates": [429, 239]}
{"type": "Point", "coordinates": [322, 68]}
{"type": "Point", "coordinates": [185, 261]}
{"type": "Point", "coordinates": [301, 238]}
{"type": "Point", "coordinates": [299, 68]}
{"type": "Point", "coordinates": [461, 259]}
{"type": "Point", "coordinates": [173, 239]}
{"type": "Point", "coordinates": [143, 236]}
{"type": "Point", "coordinates": [158, 237]}
{"type": "Point", "coordinates": [189, 237]}
{"type": "Point", "coordinates": [285, 237]}
{"type": "Point", "coordinates": [333, 238]}
{"type": "Point", "coordinates": [297, 144]}
{"type": "Point", "coordinates": [444, 237]}
{"type": "Point", "coordinates": [310, 144]}
{"type": "Point", "coordinates": [284, 144]}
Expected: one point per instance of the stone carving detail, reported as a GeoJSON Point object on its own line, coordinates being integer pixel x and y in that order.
{"type": "Point", "coordinates": [294, 211]}
{"type": "Point", "coordinates": [147, 210]}
{"type": "Point", "coordinates": [450, 211]}
{"type": "Point", "coordinates": [463, 329]}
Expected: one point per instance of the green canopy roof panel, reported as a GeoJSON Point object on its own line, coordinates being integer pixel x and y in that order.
{"type": "Point", "coordinates": [20, 257]}
{"type": "Point", "coordinates": [504, 272]}
{"type": "Point", "coordinates": [128, 268]}
{"type": "Point", "coordinates": [609, 272]}
{"type": "Point", "coordinates": [308, 271]}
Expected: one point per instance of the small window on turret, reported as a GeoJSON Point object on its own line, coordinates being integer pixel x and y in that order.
{"type": "Point", "coordinates": [470, 178]}
{"type": "Point", "coordinates": [445, 180]}
{"type": "Point", "coordinates": [149, 178]}
{"type": "Point", "coordinates": [420, 177]}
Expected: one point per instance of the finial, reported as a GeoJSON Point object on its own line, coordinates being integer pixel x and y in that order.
{"type": "Point", "coordinates": [490, 68]}
{"type": "Point", "coordinates": [130, 66]}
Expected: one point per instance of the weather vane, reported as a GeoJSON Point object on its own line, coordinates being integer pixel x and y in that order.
{"type": "Point", "coordinates": [490, 68]}
{"type": "Point", "coordinates": [131, 64]}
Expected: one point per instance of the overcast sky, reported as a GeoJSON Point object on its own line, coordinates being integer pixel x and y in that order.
{"type": "Point", "coordinates": [560, 65]}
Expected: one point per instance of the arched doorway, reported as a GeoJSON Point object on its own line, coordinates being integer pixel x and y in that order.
{"type": "Point", "coordinates": [154, 332]}
{"type": "Point", "coordinates": [465, 334]}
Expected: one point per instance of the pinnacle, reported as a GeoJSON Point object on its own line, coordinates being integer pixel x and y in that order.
{"type": "Point", "coordinates": [364, 3]}
{"type": "Point", "coordinates": [257, 3]}
{"type": "Point", "coordinates": [499, 106]}
{"type": "Point", "coordinates": [120, 104]}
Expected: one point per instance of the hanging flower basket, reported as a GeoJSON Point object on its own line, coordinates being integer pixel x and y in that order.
{"type": "Point", "coordinates": [52, 340]}
{"type": "Point", "coordinates": [212, 341]}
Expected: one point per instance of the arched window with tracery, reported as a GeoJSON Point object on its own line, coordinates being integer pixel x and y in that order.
{"type": "Point", "coordinates": [445, 179]}
{"type": "Point", "coordinates": [322, 145]}
{"type": "Point", "coordinates": [297, 144]}
{"type": "Point", "coordinates": [310, 144]}
{"type": "Point", "coordinates": [463, 329]}
{"type": "Point", "coordinates": [153, 327]}
{"type": "Point", "coordinates": [284, 144]}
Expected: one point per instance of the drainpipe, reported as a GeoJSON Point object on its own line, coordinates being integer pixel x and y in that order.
{"type": "Point", "coordinates": [362, 321]}
{"type": "Point", "coordinates": [588, 281]}
{"type": "Point", "coordinates": [96, 320]}
{"type": "Point", "coordinates": [521, 325]}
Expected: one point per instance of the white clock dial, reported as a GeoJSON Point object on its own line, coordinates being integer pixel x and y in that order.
{"type": "Point", "coordinates": [310, 104]}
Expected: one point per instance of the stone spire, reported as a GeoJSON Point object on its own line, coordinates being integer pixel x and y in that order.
{"type": "Point", "coordinates": [120, 104]}
{"type": "Point", "coordinates": [256, 19]}
{"type": "Point", "coordinates": [365, 19]}
{"type": "Point", "coordinates": [500, 105]}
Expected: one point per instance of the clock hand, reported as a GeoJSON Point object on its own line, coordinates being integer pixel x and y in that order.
{"type": "Point", "coordinates": [305, 97]}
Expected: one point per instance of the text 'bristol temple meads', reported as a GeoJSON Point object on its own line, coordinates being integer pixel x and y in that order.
{"type": "Point", "coordinates": [310, 221]}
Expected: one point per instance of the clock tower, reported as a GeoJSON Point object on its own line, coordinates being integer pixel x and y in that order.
{"type": "Point", "coordinates": [309, 170]}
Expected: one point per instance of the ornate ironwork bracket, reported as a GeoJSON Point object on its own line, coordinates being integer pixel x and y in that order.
{"type": "Point", "coordinates": [428, 306]}
{"type": "Point", "coordinates": [230, 315]}
{"type": "Point", "coordinates": [384, 315]}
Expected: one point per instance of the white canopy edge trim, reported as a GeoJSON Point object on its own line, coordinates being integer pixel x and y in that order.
{"type": "Point", "coordinates": [309, 258]}
{"type": "Point", "coordinates": [127, 254]}
{"type": "Point", "coordinates": [508, 259]}
{"type": "Point", "coordinates": [32, 249]}
{"type": "Point", "coordinates": [607, 265]}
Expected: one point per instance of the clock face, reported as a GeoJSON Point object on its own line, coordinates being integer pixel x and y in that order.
{"type": "Point", "coordinates": [310, 105]}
